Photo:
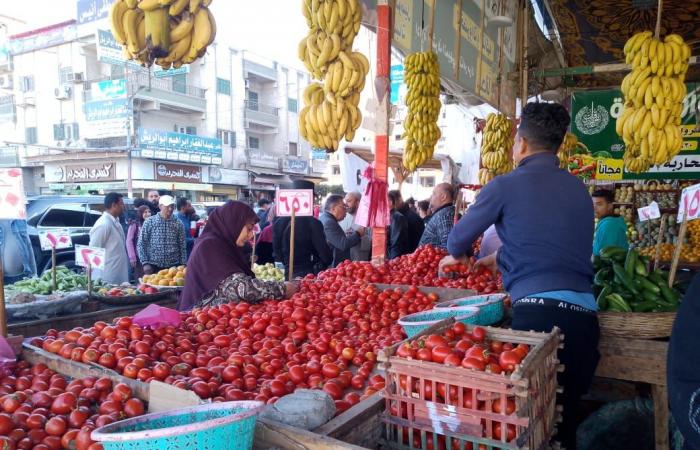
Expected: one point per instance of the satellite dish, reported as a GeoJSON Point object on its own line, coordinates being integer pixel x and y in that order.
{"type": "Point", "coordinates": [500, 22]}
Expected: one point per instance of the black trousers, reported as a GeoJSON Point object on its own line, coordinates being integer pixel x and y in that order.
{"type": "Point", "coordinates": [580, 353]}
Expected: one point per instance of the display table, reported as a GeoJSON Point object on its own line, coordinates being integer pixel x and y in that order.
{"type": "Point", "coordinates": [642, 361]}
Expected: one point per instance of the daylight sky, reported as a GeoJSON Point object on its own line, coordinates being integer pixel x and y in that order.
{"type": "Point", "coordinates": [271, 28]}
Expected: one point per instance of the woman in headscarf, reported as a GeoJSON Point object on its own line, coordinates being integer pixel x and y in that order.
{"type": "Point", "coordinates": [218, 270]}
{"type": "Point", "coordinates": [132, 238]}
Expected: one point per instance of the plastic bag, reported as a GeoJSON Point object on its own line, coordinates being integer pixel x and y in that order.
{"type": "Point", "coordinates": [8, 359]}
{"type": "Point", "coordinates": [155, 316]}
{"type": "Point", "coordinates": [373, 210]}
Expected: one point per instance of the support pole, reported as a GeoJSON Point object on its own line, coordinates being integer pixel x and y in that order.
{"type": "Point", "coordinates": [524, 63]}
{"type": "Point", "coordinates": [3, 316]}
{"type": "Point", "coordinates": [292, 237]}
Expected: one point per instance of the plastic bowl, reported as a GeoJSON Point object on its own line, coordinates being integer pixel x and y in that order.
{"type": "Point", "coordinates": [490, 307]}
{"type": "Point", "coordinates": [417, 322]}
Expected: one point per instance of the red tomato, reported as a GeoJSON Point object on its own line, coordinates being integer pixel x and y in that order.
{"type": "Point", "coordinates": [474, 364]}
{"type": "Point", "coordinates": [509, 359]}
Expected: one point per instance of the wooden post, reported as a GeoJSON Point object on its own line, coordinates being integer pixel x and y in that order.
{"type": "Point", "coordinates": [3, 316]}
{"type": "Point", "coordinates": [458, 42]}
{"type": "Point", "coordinates": [659, 239]}
{"type": "Point", "coordinates": [291, 245]}
{"type": "Point", "coordinates": [89, 280]}
{"type": "Point", "coordinates": [677, 252]}
{"type": "Point", "coordinates": [523, 63]}
{"type": "Point", "coordinates": [659, 9]}
{"type": "Point", "coordinates": [53, 267]}
{"type": "Point", "coordinates": [431, 25]}
{"type": "Point", "coordinates": [252, 255]}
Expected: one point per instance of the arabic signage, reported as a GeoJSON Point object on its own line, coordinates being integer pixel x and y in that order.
{"type": "Point", "coordinates": [218, 175]}
{"type": "Point", "coordinates": [158, 144]}
{"type": "Point", "coordinates": [299, 166]}
{"type": "Point", "coordinates": [109, 51]}
{"type": "Point", "coordinates": [43, 38]}
{"type": "Point", "coordinates": [259, 158]}
{"type": "Point", "coordinates": [398, 87]}
{"type": "Point", "coordinates": [108, 90]}
{"type": "Point", "coordinates": [319, 154]}
{"type": "Point", "coordinates": [178, 173]}
{"type": "Point", "coordinates": [107, 110]}
{"type": "Point", "coordinates": [158, 71]}
{"type": "Point", "coordinates": [301, 201]}
{"type": "Point", "coordinates": [593, 118]}
{"type": "Point", "coordinates": [86, 172]}
{"type": "Point", "coordinates": [92, 10]}
{"type": "Point", "coordinates": [12, 199]}
{"type": "Point", "coordinates": [689, 204]}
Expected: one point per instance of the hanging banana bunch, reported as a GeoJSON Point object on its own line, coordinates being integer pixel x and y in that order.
{"type": "Point", "coordinates": [570, 146]}
{"type": "Point", "coordinates": [654, 91]}
{"type": "Point", "coordinates": [331, 110]}
{"type": "Point", "coordinates": [496, 146]}
{"type": "Point", "coordinates": [421, 131]}
{"type": "Point", "coordinates": [169, 33]}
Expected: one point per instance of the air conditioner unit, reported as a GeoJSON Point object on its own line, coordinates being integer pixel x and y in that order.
{"type": "Point", "coordinates": [29, 100]}
{"type": "Point", "coordinates": [247, 84]}
{"type": "Point", "coordinates": [78, 77]}
{"type": "Point", "coordinates": [6, 81]}
{"type": "Point", "coordinates": [62, 92]}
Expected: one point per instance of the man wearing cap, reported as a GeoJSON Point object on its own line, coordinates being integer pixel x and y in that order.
{"type": "Point", "coordinates": [162, 239]}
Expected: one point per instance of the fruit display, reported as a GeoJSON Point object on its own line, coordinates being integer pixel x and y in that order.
{"type": "Point", "coordinates": [627, 213]}
{"type": "Point", "coordinates": [654, 92]}
{"type": "Point", "coordinates": [648, 232]}
{"type": "Point", "coordinates": [623, 283]}
{"type": "Point", "coordinates": [624, 194]}
{"type": "Point", "coordinates": [331, 110]}
{"type": "Point", "coordinates": [172, 277]}
{"type": "Point", "coordinates": [569, 147]}
{"type": "Point", "coordinates": [666, 199]}
{"type": "Point", "coordinates": [66, 281]}
{"type": "Point", "coordinates": [421, 130]}
{"type": "Point", "coordinates": [41, 409]}
{"type": "Point", "coordinates": [268, 272]}
{"type": "Point", "coordinates": [169, 33]}
{"type": "Point", "coordinates": [496, 147]}
{"type": "Point", "coordinates": [126, 291]}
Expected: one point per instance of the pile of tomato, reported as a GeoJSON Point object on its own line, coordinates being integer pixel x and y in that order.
{"type": "Point", "coordinates": [41, 410]}
{"type": "Point", "coordinates": [419, 268]}
{"type": "Point", "coordinates": [325, 336]}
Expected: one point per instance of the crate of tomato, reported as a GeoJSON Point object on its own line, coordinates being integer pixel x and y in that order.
{"type": "Point", "coordinates": [457, 387]}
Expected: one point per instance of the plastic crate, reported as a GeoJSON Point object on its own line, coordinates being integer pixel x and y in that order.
{"type": "Point", "coordinates": [213, 426]}
{"type": "Point", "coordinates": [417, 322]}
{"type": "Point", "coordinates": [430, 405]}
{"type": "Point", "coordinates": [490, 307]}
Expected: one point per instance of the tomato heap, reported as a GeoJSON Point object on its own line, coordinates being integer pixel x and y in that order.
{"type": "Point", "coordinates": [419, 268]}
{"type": "Point", "coordinates": [41, 410]}
{"type": "Point", "coordinates": [262, 351]}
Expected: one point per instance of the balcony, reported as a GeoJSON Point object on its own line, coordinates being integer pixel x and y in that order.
{"type": "Point", "coordinates": [259, 116]}
{"type": "Point", "coordinates": [260, 72]}
{"type": "Point", "coordinates": [8, 108]}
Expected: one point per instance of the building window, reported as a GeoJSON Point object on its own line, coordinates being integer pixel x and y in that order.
{"type": "Point", "coordinates": [427, 181]}
{"type": "Point", "coordinates": [59, 133]}
{"type": "Point", "coordinates": [227, 137]}
{"type": "Point", "coordinates": [116, 71]}
{"type": "Point", "coordinates": [76, 131]}
{"type": "Point", "coordinates": [65, 75]}
{"type": "Point", "coordinates": [26, 83]}
{"type": "Point", "coordinates": [292, 105]}
{"type": "Point", "coordinates": [223, 86]}
{"type": "Point", "coordinates": [180, 83]}
{"type": "Point", "coordinates": [252, 100]}
{"type": "Point", "coordinates": [30, 135]}
{"type": "Point", "coordinates": [335, 170]}
{"type": "Point", "coordinates": [253, 142]}
{"type": "Point", "coordinates": [191, 130]}
{"type": "Point", "coordinates": [293, 148]}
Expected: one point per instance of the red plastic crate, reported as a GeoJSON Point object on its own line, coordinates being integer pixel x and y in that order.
{"type": "Point", "coordinates": [436, 407]}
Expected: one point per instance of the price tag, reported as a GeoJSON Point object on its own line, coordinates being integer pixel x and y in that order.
{"type": "Point", "coordinates": [58, 239]}
{"type": "Point", "coordinates": [299, 200]}
{"type": "Point", "coordinates": [649, 212]}
{"type": "Point", "coordinates": [690, 203]}
{"type": "Point", "coordinates": [90, 256]}
{"type": "Point", "coordinates": [12, 199]}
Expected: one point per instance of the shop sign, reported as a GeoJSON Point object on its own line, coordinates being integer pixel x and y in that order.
{"type": "Point", "coordinates": [178, 173]}
{"type": "Point", "coordinates": [228, 176]}
{"type": "Point", "coordinates": [158, 71]}
{"type": "Point", "coordinates": [86, 172]}
{"type": "Point", "coordinates": [12, 197]}
{"type": "Point", "coordinates": [92, 10]}
{"type": "Point", "coordinates": [299, 166]}
{"type": "Point", "coordinates": [44, 38]}
{"type": "Point", "coordinates": [689, 205]}
{"type": "Point", "coordinates": [108, 89]}
{"type": "Point", "coordinates": [259, 158]}
{"type": "Point", "coordinates": [158, 144]}
{"type": "Point", "coordinates": [398, 87]}
{"type": "Point", "coordinates": [319, 166]}
{"type": "Point", "coordinates": [593, 118]}
{"type": "Point", "coordinates": [319, 154]}
{"type": "Point", "coordinates": [107, 110]}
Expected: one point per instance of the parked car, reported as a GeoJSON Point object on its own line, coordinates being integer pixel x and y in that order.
{"type": "Point", "coordinates": [203, 209]}
{"type": "Point", "coordinates": [76, 213]}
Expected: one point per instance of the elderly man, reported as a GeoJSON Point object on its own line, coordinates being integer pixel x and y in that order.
{"type": "Point", "coordinates": [339, 242]}
{"type": "Point", "coordinates": [162, 239]}
{"type": "Point", "coordinates": [363, 250]}
{"type": "Point", "coordinates": [441, 222]}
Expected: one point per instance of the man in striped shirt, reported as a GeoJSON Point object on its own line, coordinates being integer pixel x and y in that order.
{"type": "Point", "coordinates": [162, 239]}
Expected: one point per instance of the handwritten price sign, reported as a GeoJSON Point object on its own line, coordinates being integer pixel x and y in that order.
{"type": "Point", "coordinates": [301, 201]}
{"type": "Point", "coordinates": [57, 239]}
{"type": "Point", "coordinates": [649, 212]}
{"type": "Point", "coordinates": [93, 257]}
{"type": "Point", "coordinates": [690, 203]}
{"type": "Point", "coordinates": [12, 200]}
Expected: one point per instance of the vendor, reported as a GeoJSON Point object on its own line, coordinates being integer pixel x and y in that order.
{"type": "Point", "coordinates": [543, 216]}
{"type": "Point", "coordinates": [611, 230]}
{"type": "Point", "coordinates": [218, 270]}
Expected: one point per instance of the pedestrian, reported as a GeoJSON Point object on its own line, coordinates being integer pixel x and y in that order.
{"type": "Point", "coordinates": [153, 201]}
{"type": "Point", "coordinates": [442, 220]}
{"type": "Point", "coordinates": [311, 252]}
{"type": "Point", "coordinates": [263, 207]}
{"type": "Point", "coordinates": [263, 248]}
{"type": "Point", "coordinates": [423, 208]}
{"type": "Point", "coordinates": [411, 202]}
{"type": "Point", "coordinates": [220, 271]}
{"type": "Point", "coordinates": [132, 237]}
{"type": "Point", "coordinates": [543, 215]}
{"type": "Point", "coordinates": [184, 214]}
{"type": "Point", "coordinates": [338, 240]}
{"type": "Point", "coordinates": [162, 239]}
{"type": "Point", "coordinates": [363, 250]}
{"type": "Point", "coordinates": [413, 220]}
{"type": "Point", "coordinates": [108, 233]}
{"type": "Point", "coordinates": [398, 231]}
{"type": "Point", "coordinates": [611, 230]}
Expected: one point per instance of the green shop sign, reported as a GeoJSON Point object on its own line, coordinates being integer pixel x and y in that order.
{"type": "Point", "coordinates": [593, 117]}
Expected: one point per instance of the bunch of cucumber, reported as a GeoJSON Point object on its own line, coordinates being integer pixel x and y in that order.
{"type": "Point", "coordinates": [623, 283]}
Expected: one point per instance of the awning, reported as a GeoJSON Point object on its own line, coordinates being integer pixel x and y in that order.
{"type": "Point", "coordinates": [270, 180]}
{"type": "Point", "coordinates": [166, 186]}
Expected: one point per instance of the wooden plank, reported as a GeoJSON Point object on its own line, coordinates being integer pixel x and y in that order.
{"type": "Point", "coordinates": [269, 434]}
{"type": "Point", "coordinates": [660, 396]}
{"type": "Point", "coordinates": [350, 425]}
{"type": "Point", "coordinates": [633, 360]}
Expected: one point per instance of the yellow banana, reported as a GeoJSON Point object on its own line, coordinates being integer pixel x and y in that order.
{"type": "Point", "coordinates": [194, 6]}
{"type": "Point", "coordinates": [202, 29]}
{"type": "Point", "coordinates": [116, 15]}
{"type": "Point", "coordinates": [148, 5]}
{"type": "Point", "coordinates": [131, 20]}
{"type": "Point", "coordinates": [177, 7]}
{"type": "Point", "coordinates": [183, 28]}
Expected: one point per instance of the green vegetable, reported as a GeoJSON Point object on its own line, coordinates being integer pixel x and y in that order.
{"type": "Point", "coordinates": [601, 301]}
{"type": "Point", "coordinates": [631, 262]}
{"type": "Point", "coordinates": [669, 294]}
{"type": "Point", "coordinates": [616, 254]}
{"type": "Point", "coordinates": [648, 285]}
{"type": "Point", "coordinates": [603, 276]}
{"type": "Point", "coordinates": [618, 303]}
{"type": "Point", "coordinates": [621, 276]}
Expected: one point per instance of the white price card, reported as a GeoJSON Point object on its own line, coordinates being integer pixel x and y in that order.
{"type": "Point", "coordinates": [301, 201]}
{"type": "Point", "coordinates": [93, 257]}
{"type": "Point", "coordinates": [57, 239]}
{"type": "Point", "coordinates": [13, 203]}
{"type": "Point", "coordinates": [649, 212]}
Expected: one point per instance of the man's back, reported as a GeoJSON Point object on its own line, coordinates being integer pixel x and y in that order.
{"type": "Point", "coordinates": [310, 247]}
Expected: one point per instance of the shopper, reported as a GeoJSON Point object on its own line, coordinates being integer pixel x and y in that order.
{"type": "Point", "coordinates": [337, 239]}
{"type": "Point", "coordinates": [108, 233]}
{"type": "Point", "coordinates": [414, 222]}
{"type": "Point", "coordinates": [443, 218]}
{"type": "Point", "coordinates": [398, 239]}
{"type": "Point", "coordinates": [423, 208]}
{"type": "Point", "coordinates": [132, 238]}
{"type": "Point", "coordinates": [153, 201]}
{"type": "Point", "coordinates": [184, 214]}
{"type": "Point", "coordinates": [411, 203]}
{"type": "Point", "coordinates": [220, 270]}
{"type": "Point", "coordinates": [263, 207]}
{"type": "Point", "coordinates": [162, 239]}
{"type": "Point", "coordinates": [311, 252]}
{"type": "Point", "coordinates": [543, 215]}
{"type": "Point", "coordinates": [263, 247]}
{"type": "Point", "coordinates": [611, 230]}
{"type": "Point", "coordinates": [363, 250]}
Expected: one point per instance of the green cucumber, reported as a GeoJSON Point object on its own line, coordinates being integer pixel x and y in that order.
{"type": "Point", "coordinates": [617, 254]}
{"type": "Point", "coordinates": [670, 295]}
{"type": "Point", "coordinates": [631, 262]}
{"type": "Point", "coordinates": [601, 301]}
{"type": "Point", "coordinates": [603, 276]}
{"type": "Point", "coordinates": [622, 277]}
{"type": "Point", "coordinates": [648, 285]}
{"type": "Point", "coordinates": [641, 268]}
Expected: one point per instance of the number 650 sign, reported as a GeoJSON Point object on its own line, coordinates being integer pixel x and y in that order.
{"type": "Point", "coordinates": [301, 201]}
{"type": "Point", "coordinates": [690, 203]}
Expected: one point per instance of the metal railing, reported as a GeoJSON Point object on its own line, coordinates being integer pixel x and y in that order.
{"type": "Point", "coordinates": [253, 105]}
{"type": "Point", "coordinates": [137, 80]}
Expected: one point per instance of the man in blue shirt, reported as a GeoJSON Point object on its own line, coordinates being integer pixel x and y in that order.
{"type": "Point", "coordinates": [184, 214]}
{"type": "Point", "coordinates": [611, 230]}
{"type": "Point", "coordinates": [543, 216]}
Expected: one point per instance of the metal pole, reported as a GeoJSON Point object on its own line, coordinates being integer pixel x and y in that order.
{"type": "Point", "coordinates": [3, 317]}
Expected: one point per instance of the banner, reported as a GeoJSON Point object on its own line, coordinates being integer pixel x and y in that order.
{"type": "Point", "coordinates": [593, 118]}
{"type": "Point", "coordinates": [159, 144]}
